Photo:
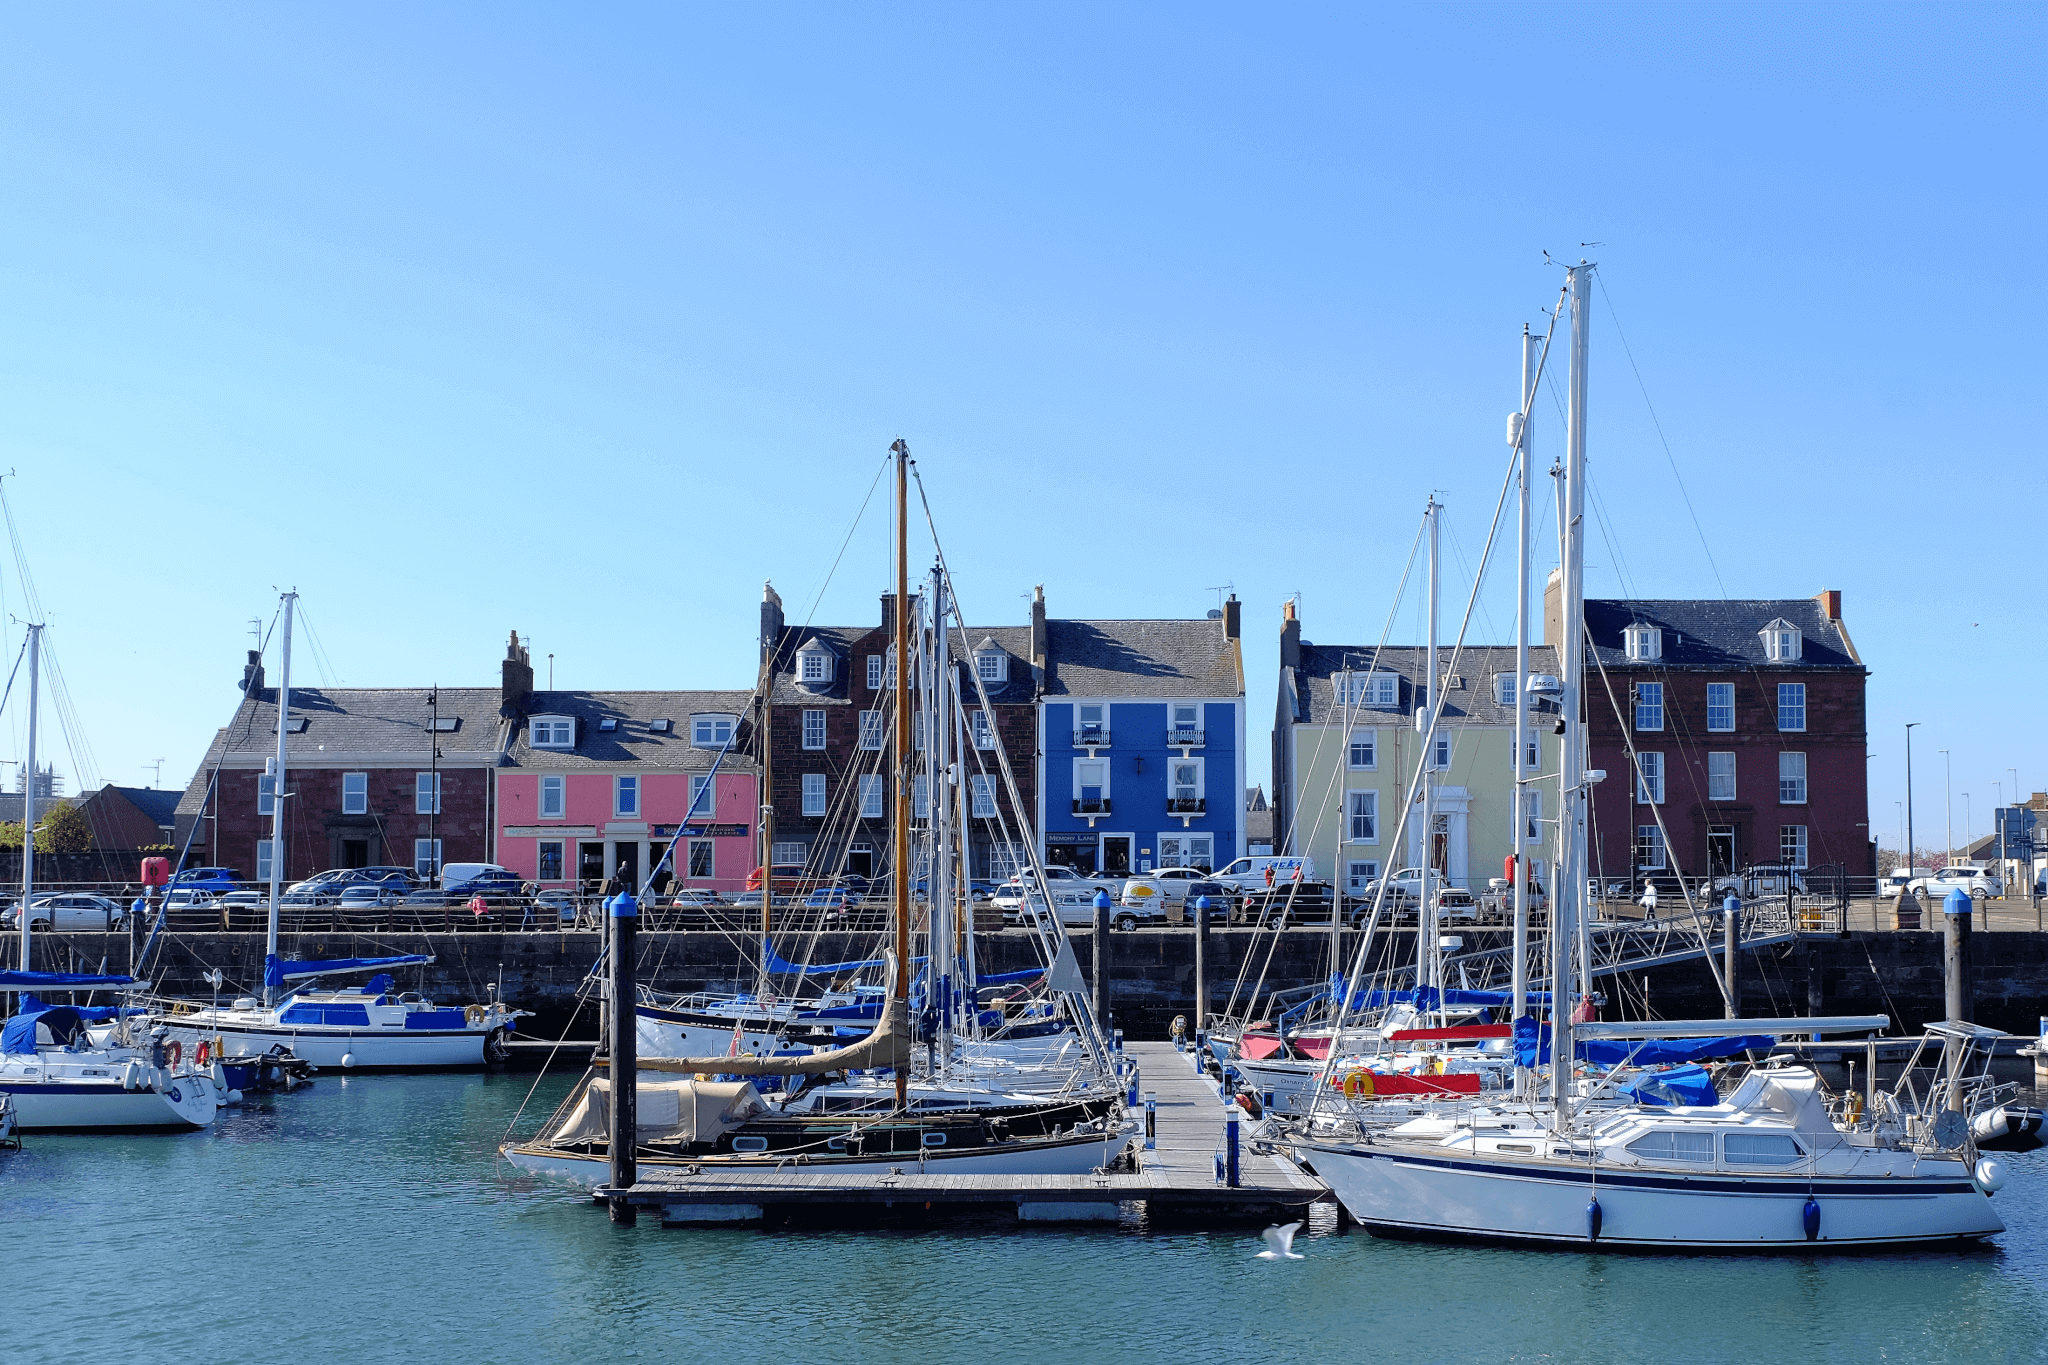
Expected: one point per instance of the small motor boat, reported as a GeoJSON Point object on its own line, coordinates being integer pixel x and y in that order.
{"type": "Point", "coordinates": [2008, 1128]}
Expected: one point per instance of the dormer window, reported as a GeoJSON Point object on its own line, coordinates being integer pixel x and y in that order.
{"type": "Point", "coordinates": [1643, 644]}
{"type": "Point", "coordinates": [991, 663]}
{"type": "Point", "coordinates": [814, 664]}
{"type": "Point", "coordinates": [712, 731]}
{"type": "Point", "coordinates": [1380, 691]}
{"type": "Point", "coordinates": [1782, 641]}
{"type": "Point", "coordinates": [554, 732]}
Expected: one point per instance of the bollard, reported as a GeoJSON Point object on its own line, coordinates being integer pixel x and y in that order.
{"type": "Point", "coordinates": [1131, 1096]}
{"type": "Point", "coordinates": [1201, 964]}
{"type": "Point", "coordinates": [625, 1061]}
{"type": "Point", "coordinates": [1230, 1172]}
{"type": "Point", "coordinates": [1151, 1121]}
{"type": "Point", "coordinates": [1102, 961]}
{"type": "Point", "coordinates": [1731, 934]}
{"type": "Point", "coordinates": [1955, 955]}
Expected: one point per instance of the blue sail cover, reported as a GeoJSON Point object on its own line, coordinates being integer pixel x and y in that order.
{"type": "Point", "coordinates": [19, 1033]}
{"type": "Point", "coordinates": [1532, 1047]}
{"type": "Point", "coordinates": [61, 981]}
{"type": "Point", "coordinates": [293, 971]}
{"type": "Point", "coordinates": [93, 1014]}
{"type": "Point", "coordinates": [775, 962]}
{"type": "Point", "coordinates": [1680, 1085]}
{"type": "Point", "coordinates": [1429, 997]}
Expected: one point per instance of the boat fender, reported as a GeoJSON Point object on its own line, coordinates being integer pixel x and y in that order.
{"type": "Point", "coordinates": [1357, 1083]}
{"type": "Point", "coordinates": [1810, 1216]}
{"type": "Point", "coordinates": [175, 1050]}
{"type": "Point", "coordinates": [1991, 1175]}
{"type": "Point", "coordinates": [1593, 1220]}
{"type": "Point", "coordinates": [203, 1057]}
{"type": "Point", "coordinates": [1854, 1113]}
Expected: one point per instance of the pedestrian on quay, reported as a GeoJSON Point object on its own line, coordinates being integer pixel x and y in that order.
{"type": "Point", "coordinates": [1650, 901]}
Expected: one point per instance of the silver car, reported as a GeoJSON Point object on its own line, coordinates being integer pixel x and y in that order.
{"type": "Point", "coordinates": [73, 911]}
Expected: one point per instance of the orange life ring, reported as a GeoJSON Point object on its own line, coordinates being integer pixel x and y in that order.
{"type": "Point", "coordinates": [177, 1051]}
{"type": "Point", "coordinates": [204, 1054]}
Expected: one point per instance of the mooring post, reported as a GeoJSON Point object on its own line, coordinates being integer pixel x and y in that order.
{"type": "Point", "coordinates": [1955, 955]}
{"type": "Point", "coordinates": [1201, 966]}
{"type": "Point", "coordinates": [1102, 961]}
{"type": "Point", "coordinates": [1151, 1120]}
{"type": "Point", "coordinates": [1230, 1150]}
{"type": "Point", "coordinates": [1731, 934]}
{"type": "Point", "coordinates": [1816, 993]}
{"type": "Point", "coordinates": [625, 1058]}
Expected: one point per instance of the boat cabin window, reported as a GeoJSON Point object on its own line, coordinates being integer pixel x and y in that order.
{"type": "Point", "coordinates": [1674, 1146]}
{"type": "Point", "coordinates": [750, 1144]}
{"type": "Point", "coordinates": [1760, 1149]}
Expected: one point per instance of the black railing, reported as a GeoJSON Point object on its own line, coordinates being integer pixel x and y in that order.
{"type": "Point", "coordinates": [1185, 739]}
{"type": "Point", "coordinates": [1187, 805]}
{"type": "Point", "coordinates": [1092, 737]}
{"type": "Point", "coordinates": [1099, 806]}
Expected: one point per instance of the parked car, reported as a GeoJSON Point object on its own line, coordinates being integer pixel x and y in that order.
{"type": "Point", "coordinates": [1076, 908]}
{"type": "Point", "coordinates": [365, 893]}
{"type": "Point", "coordinates": [695, 897]}
{"type": "Point", "coordinates": [1223, 898]}
{"type": "Point", "coordinates": [1761, 880]}
{"type": "Point", "coordinates": [72, 911]}
{"type": "Point", "coordinates": [1158, 890]}
{"type": "Point", "coordinates": [325, 888]}
{"type": "Point", "coordinates": [214, 879]}
{"type": "Point", "coordinates": [1979, 882]}
{"type": "Point", "coordinates": [462, 881]}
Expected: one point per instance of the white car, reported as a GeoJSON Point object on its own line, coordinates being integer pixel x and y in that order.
{"type": "Point", "coordinates": [1976, 881]}
{"type": "Point", "coordinates": [70, 911]}
{"type": "Point", "coordinates": [1155, 891]}
{"type": "Point", "coordinates": [1057, 878]}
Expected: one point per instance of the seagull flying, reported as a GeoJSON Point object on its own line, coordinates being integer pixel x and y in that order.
{"type": "Point", "coordinates": [1280, 1243]}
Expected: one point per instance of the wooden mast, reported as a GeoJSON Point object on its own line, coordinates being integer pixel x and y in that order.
{"type": "Point", "coordinates": [901, 662]}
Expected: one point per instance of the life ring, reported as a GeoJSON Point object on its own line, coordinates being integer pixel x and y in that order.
{"type": "Point", "coordinates": [475, 1015]}
{"type": "Point", "coordinates": [203, 1055]}
{"type": "Point", "coordinates": [1357, 1084]}
{"type": "Point", "coordinates": [176, 1050]}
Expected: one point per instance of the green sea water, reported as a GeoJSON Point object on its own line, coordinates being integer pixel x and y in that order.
{"type": "Point", "coordinates": [369, 1219]}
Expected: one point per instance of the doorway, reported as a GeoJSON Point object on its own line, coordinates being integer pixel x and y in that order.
{"type": "Point", "coordinates": [860, 860]}
{"type": "Point", "coordinates": [1720, 850]}
{"type": "Point", "coordinates": [1116, 855]}
{"type": "Point", "coordinates": [355, 852]}
{"type": "Point", "coordinates": [627, 864]}
{"type": "Point", "coordinates": [590, 865]}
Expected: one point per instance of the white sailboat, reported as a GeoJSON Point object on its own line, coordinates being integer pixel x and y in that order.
{"type": "Point", "coordinates": [1768, 1167]}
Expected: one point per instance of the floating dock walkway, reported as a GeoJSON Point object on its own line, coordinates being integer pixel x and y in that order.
{"type": "Point", "coordinates": [1175, 1180]}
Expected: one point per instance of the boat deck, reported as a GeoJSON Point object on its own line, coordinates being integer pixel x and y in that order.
{"type": "Point", "coordinates": [1175, 1179]}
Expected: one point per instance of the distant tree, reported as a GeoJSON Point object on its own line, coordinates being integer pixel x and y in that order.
{"type": "Point", "coordinates": [66, 829]}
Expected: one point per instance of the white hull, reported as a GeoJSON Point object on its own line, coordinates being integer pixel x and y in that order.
{"type": "Point", "coordinates": [1070, 1158]}
{"type": "Point", "coordinates": [1449, 1195]}
{"type": "Point", "coordinates": [669, 1038]}
{"type": "Point", "coordinates": [374, 1048]}
{"type": "Point", "coordinates": [83, 1102]}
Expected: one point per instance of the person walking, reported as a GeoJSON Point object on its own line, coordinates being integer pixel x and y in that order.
{"type": "Point", "coordinates": [1650, 901]}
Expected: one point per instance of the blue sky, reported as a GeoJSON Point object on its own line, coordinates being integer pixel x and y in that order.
{"type": "Point", "coordinates": [464, 319]}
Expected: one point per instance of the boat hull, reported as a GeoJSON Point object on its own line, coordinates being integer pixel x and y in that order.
{"type": "Point", "coordinates": [1394, 1193]}
{"type": "Point", "coordinates": [368, 1049]}
{"type": "Point", "coordinates": [1073, 1157]}
{"type": "Point", "coordinates": [105, 1106]}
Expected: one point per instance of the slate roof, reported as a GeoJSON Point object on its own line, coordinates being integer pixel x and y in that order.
{"type": "Point", "coordinates": [363, 720]}
{"type": "Point", "coordinates": [1717, 635]}
{"type": "Point", "coordinates": [1014, 640]}
{"type": "Point", "coordinates": [159, 805]}
{"type": "Point", "coordinates": [11, 803]}
{"type": "Point", "coordinates": [1311, 689]}
{"type": "Point", "coordinates": [632, 741]}
{"type": "Point", "coordinates": [1177, 658]}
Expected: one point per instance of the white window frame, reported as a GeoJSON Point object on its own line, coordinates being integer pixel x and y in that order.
{"type": "Point", "coordinates": [814, 729]}
{"type": "Point", "coordinates": [263, 860]}
{"type": "Point", "coordinates": [1173, 766]}
{"type": "Point", "coordinates": [984, 730]}
{"type": "Point", "coordinates": [704, 729]}
{"type": "Point", "coordinates": [793, 853]}
{"type": "Point", "coordinates": [1792, 789]}
{"type": "Point", "coordinates": [981, 789]}
{"type": "Point", "coordinates": [355, 793]}
{"type": "Point", "coordinates": [1720, 775]}
{"type": "Point", "coordinates": [1784, 645]}
{"type": "Point", "coordinates": [871, 796]}
{"type": "Point", "coordinates": [814, 665]}
{"type": "Point", "coordinates": [921, 797]}
{"type": "Point", "coordinates": [1649, 706]}
{"type": "Point", "coordinates": [1503, 689]}
{"type": "Point", "coordinates": [874, 672]}
{"type": "Point", "coordinates": [1361, 816]}
{"type": "Point", "coordinates": [1532, 760]}
{"type": "Point", "coordinates": [992, 665]}
{"type": "Point", "coordinates": [872, 731]}
{"type": "Point", "coordinates": [706, 785]}
{"type": "Point", "coordinates": [1378, 690]}
{"type": "Point", "coordinates": [1793, 839]}
{"type": "Point", "coordinates": [266, 795]}
{"type": "Point", "coordinates": [552, 732]}
{"type": "Point", "coordinates": [1082, 762]}
{"type": "Point", "coordinates": [1444, 753]}
{"type": "Point", "coordinates": [1643, 643]}
{"type": "Point", "coordinates": [556, 786]}
{"type": "Point", "coordinates": [622, 784]}
{"type": "Point", "coordinates": [1358, 872]}
{"type": "Point", "coordinates": [1081, 725]}
{"type": "Point", "coordinates": [1532, 814]}
{"type": "Point", "coordinates": [1368, 740]}
{"type": "Point", "coordinates": [427, 793]}
{"type": "Point", "coordinates": [426, 857]}
{"type": "Point", "coordinates": [540, 859]}
{"type": "Point", "coordinates": [1649, 778]}
{"type": "Point", "coordinates": [1792, 707]}
{"type": "Point", "coordinates": [1185, 846]}
{"type": "Point", "coordinates": [1653, 836]}
{"type": "Point", "coordinates": [814, 793]}
{"type": "Point", "coordinates": [1719, 710]}
{"type": "Point", "coordinates": [710, 848]}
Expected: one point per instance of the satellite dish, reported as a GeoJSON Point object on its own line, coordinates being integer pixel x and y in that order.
{"type": "Point", "coordinates": [1950, 1129]}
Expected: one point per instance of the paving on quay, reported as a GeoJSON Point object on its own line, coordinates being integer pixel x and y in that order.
{"type": "Point", "coordinates": [1175, 1179]}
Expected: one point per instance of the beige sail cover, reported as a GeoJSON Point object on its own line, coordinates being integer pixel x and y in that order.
{"type": "Point", "coordinates": [887, 1046]}
{"type": "Point", "coordinates": [683, 1111]}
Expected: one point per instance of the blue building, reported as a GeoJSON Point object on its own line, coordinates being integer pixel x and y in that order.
{"type": "Point", "coordinates": [1141, 742]}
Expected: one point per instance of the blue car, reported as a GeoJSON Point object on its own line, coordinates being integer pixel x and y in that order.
{"type": "Point", "coordinates": [214, 879]}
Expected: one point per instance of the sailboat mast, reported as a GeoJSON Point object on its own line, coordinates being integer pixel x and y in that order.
{"type": "Point", "coordinates": [1569, 920]}
{"type": "Point", "coordinates": [1427, 949]}
{"type": "Point", "coordinates": [28, 800]}
{"type": "Point", "coordinates": [1518, 829]}
{"type": "Point", "coordinates": [939, 814]}
{"type": "Point", "coordinates": [277, 794]}
{"type": "Point", "coordinates": [902, 864]}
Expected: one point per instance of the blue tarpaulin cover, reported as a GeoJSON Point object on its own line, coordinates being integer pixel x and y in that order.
{"type": "Point", "coordinates": [293, 971]}
{"type": "Point", "coordinates": [59, 981]}
{"type": "Point", "coordinates": [92, 1014]}
{"type": "Point", "coordinates": [1679, 1085]}
{"type": "Point", "coordinates": [1427, 997]}
{"type": "Point", "coordinates": [19, 1033]}
{"type": "Point", "coordinates": [1532, 1047]}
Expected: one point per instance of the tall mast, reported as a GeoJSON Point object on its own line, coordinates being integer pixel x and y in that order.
{"type": "Point", "coordinates": [902, 867]}
{"type": "Point", "coordinates": [277, 794]}
{"type": "Point", "coordinates": [1569, 917]}
{"type": "Point", "coordinates": [28, 800]}
{"type": "Point", "coordinates": [938, 806]}
{"type": "Point", "coordinates": [1518, 830]}
{"type": "Point", "coordinates": [767, 812]}
{"type": "Point", "coordinates": [1427, 948]}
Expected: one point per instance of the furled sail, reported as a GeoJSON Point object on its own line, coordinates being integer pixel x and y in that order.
{"type": "Point", "coordinates": [886, 1046]}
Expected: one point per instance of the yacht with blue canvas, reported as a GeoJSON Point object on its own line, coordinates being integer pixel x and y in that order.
{"type": "Point", "coordinates": [57, 1078]}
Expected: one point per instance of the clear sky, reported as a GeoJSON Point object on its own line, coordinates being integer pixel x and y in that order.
{"type": "Point", "coordinates": [586, 322]}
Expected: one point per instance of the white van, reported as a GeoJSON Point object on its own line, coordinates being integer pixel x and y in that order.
{"type": "Point", "coordinates": [1249, 874]}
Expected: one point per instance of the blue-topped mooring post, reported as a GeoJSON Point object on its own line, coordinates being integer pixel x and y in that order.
{"type": "Point", "coordinates": [1201, 967]}
{"type": "Point", "coordinates": [1230, 1168]}
{"type": "Point", "coordinates": [1102, 961]}
{"type": "Point", "coordinates": [1731, 936]}
{"type": "Point", "coordinates": [625, 1059]}
{"type": "Point", "coordinates": [1955, 954]}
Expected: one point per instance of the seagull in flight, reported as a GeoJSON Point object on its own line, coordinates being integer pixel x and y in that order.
{"type": "Point", "coordinates": [1280, 1243]}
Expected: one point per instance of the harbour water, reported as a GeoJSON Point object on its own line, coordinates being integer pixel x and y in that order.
{"type": "Point", "coordinates": [369, 1218]}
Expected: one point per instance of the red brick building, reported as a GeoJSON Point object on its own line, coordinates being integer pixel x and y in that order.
{"type": "Point", "coordinates": [1749, 721]}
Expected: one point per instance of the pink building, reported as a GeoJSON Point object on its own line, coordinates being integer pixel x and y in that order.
{"type": "Point", "coordinates": [598, 782]}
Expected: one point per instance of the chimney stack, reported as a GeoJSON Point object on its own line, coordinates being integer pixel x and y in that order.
{"type": "Point", "coordinates": [1038, 643]}
{"type": "Point", "coordinates": [771, 620]}
{"type": "Point", "coordinates": [1231, 618]}
{"type": "Point", "coordinates": [1831, 603]}
{"type": "Point", "coordinates": [252, 674]}
{"type": "Point", "coordinates": [515, 689]}
{"type": "Point", "coordinates": [1290, 636]}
